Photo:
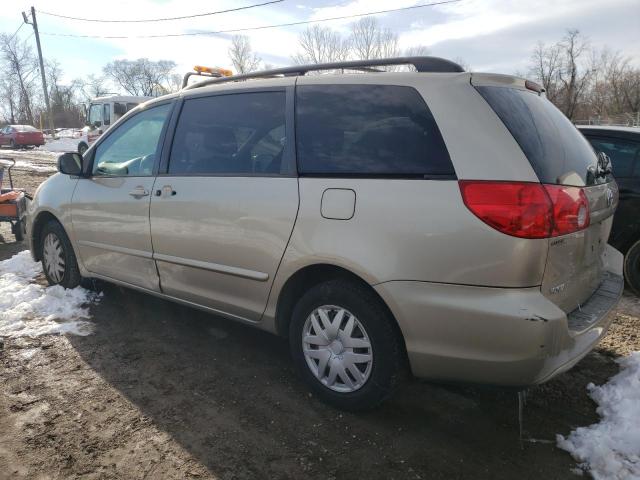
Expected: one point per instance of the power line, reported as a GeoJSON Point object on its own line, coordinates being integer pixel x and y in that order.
{"type": "Point", "coordinates": [264, 27]}
{"type": "Point", "coordinates": [159, 19]}
{"type": "Point", "coordinates": [16, 32]}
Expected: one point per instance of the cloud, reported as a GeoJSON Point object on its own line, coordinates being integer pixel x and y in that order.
{"type": "Point", "coordinates": [496, 34]}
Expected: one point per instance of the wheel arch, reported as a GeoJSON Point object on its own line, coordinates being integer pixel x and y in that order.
{"type": "Point", "coordinates": [38, 224]}
{"type": "Point", "coordinates": [309, 276]}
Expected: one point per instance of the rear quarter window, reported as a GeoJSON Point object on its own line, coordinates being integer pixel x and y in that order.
{"type": "Point", "coordinates": [554, 147]}
{"type": "Point", "coordinates": [368, 130]}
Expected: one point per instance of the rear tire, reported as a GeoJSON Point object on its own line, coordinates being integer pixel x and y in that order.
{"type": "Point", "coordinates": [632, 267]}
{"type": "Point", "coordinates": [82, 147]}
{"type": "Point", "coordinates": [333, 362]}
{"type": "Point", "coordinates": [58, 258]}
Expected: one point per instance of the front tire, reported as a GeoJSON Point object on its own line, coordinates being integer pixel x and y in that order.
{"type": "Point", "coordinates": [82, 147]}
{"type": "Point", "coordinates": [58, 258]}
{"type": "Point", "coordinates": [346, 346]}
{"type": "Point", "coordinates": [632, 267]}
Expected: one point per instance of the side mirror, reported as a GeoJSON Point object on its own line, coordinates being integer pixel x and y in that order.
{"type": "Point", "coordinates": [70, 163]}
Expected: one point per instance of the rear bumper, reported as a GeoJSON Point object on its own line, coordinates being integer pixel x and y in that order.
{"type": "Point", "coordinates": [498, 336]}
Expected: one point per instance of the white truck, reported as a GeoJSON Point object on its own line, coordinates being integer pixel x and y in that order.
{"type": "Point", "coordinates": [101, 112]}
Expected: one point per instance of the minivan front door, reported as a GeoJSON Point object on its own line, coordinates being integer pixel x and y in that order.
{"type": "Point", "coordinates": [223, 213]}
{"type": "Point", "coordinates": [110, 209]}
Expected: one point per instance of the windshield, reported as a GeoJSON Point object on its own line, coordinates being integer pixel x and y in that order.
{"type": "Point", "coordinates": [95, 113]}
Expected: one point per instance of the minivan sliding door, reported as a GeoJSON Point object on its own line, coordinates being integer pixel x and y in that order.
{"type": "Point", "coordinates": [222, 215]}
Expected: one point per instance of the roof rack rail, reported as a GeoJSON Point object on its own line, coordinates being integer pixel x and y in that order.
{"type": "Point", "coordinates": [421, 64]}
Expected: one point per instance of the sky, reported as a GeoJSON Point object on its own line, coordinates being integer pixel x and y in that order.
{"type": "Point", "coordinates": [489, 35]}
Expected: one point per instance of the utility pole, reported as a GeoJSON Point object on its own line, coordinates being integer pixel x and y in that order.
{"type": "Point", "coordinates": [34, 24]}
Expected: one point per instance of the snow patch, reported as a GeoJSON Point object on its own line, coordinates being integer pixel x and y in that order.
{"type": "Point", "coordinates": [24, 165]}
{"type": "Point", "coordinates": [611, 449]}
{"type": "Point", "coordinates": [28, 309]}
{"type": "Point", "coordinates": [64, 144]}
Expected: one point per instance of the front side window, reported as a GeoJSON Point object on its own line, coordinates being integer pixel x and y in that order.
{"type": "Point", "coordinates": [382, 130]}
{"type": "Point", "coordinates": [106, 114]}
{"type": "Point", "coordinates": [132, 148]}
{"type": "Point", "coordinates": [623, 154]}
{"type": "Point", "coordinates": [236, 134]}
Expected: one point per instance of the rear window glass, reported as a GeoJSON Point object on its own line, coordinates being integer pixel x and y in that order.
{"type": "Point", "coordinates": [367, 130]}
{"type": "Point", "coordinates": [25, 128]}
{"type": "Point", "coordinates": [623, 153]}
{"type": "Point", "coordinates": [556, 150]}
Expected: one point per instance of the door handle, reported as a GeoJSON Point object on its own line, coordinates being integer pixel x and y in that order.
{"type": "Point", "coordinates": [139, 192]}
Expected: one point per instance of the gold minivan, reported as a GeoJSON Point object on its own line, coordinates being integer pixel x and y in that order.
{"type": "Point", "coordinates": [434, 221]}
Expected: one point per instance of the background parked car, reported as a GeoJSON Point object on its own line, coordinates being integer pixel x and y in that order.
{"type": "Point", "coordinates": [16, 136]}
{"type": "Point", "coordinates": [622, 145]}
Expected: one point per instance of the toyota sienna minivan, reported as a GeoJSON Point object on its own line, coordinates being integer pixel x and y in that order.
{"type": "Point", "coordinates": [449, 224]}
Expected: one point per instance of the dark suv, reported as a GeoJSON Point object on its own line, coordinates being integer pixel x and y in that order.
{"type": "Point", "coordinates": [622, 145]}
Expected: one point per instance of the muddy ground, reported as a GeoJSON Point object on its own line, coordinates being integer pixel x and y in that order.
{"type": "Point", "coordinates": [163, 391]}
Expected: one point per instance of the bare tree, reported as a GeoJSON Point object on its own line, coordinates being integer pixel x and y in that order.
{"type": "Point", "coordinates": [417, 51]}
{"type": "Point", "coordinates": [142, 77]}
{"type": "Point", "coordinates": [242, 56]}
{"type": "Point", "coordinates": [586, 82]}
{"type": "Point", "coordinates": [63, 97]}
{"type": "Point", "coordinates": [369, 40]}
{"type": "Point", "coordinates": [563, 71]}
{"type": "Point", "coordinates": [93, 86]}
{"type": "Point", "coordinates": [8, 99]}
{"type": "Point", "coordinates": [175, 82]}
{"type": "Point", "coordinates": [320, 45]}
{"type": "Point", "coordinates": [463, 63]}
{"type": "Point", "coordinates": [21, 67]}
{"type": "Point", "coordinates": [546, 63]}
{"type": "Point", "coordinates": [573, 77]}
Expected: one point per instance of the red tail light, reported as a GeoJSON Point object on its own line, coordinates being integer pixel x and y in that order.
{"type": "Point", "coordinates": [570, 209]}
{"type": "Point", "coordinates": [527, 210]}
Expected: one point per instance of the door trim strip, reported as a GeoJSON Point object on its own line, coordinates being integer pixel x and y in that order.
{"type": "Point", "coordinates": [115, 248]}
{"type": "Point", "coordinates": [214, 267]}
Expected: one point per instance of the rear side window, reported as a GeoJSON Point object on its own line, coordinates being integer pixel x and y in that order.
{"type": "Point", "coordinates": [26, 128]}
{"type": "Point", "coordinates": [370, 130]}
{"type": "Point", "coordinates": [556, 150]}
{"type": "Point", "coordinates": [623, 154]}
{"type": "Point", "coordinates": [235, 134]}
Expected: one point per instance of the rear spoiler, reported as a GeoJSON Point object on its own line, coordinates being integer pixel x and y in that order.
{"type": "Point", "coordinates": [499, 80]}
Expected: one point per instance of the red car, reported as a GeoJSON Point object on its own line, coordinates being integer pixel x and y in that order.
{"type": "Point", "coordinates": [16, 136]}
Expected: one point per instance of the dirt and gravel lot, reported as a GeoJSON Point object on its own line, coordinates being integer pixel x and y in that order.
{"type": "Point", "coordinates": [163, 391]}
